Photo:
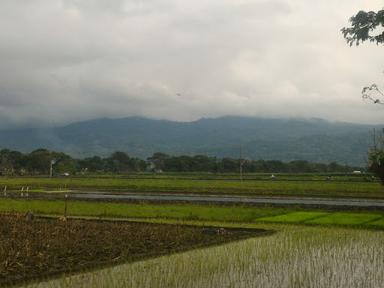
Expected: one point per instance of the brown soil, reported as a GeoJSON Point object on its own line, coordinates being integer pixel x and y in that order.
{"type": "Point", "coordinates": [39, 248]}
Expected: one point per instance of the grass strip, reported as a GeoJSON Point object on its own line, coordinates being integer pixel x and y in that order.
{"type": "Point", "coordinates": [195, 212]}
{"type": "Point", "coordinates": [293, 217]}
{"type": "Point", "coordinates": [342, 218]}
{"type": "Point", "coordinates": [176, 211]}
{"type": "Point", "coordinates": [377, 223]}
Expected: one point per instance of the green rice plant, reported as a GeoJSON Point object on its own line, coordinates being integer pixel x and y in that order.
{"type": "Point", "coordinates": [293, 217]}
{"type": "Point", "coordinates": [140, 210]}
{"type": "Point", "coordinates": [188, 212]}
{"type": "Point", "coordinates": [294, 257]}
{"type": "Point", "coordinates": [342, 218]}
{"type": "Point", "coordinates": [377, 223]}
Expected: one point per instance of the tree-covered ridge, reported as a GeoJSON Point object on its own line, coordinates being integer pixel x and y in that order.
{"type": "Point", "coordinates": [286, 140]}
{"type": "Point", "coordinates": [39, 162]}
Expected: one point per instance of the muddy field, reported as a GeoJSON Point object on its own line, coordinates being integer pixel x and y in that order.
{"type": "Point", "coordinates": [39, 248]}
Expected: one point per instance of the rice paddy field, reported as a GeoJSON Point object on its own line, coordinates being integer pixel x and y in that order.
{"type": "Point", "coordinates": [121, 244]}
{"type": "Point", "coordinates": [294, 256]}
{"type": "Point", "coordinates": [311, 185]}
{"type": "Point", "coordinates": [370, 219]}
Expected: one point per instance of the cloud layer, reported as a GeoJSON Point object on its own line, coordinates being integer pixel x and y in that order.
{"type": "Point", "coordinates": [69, 60]}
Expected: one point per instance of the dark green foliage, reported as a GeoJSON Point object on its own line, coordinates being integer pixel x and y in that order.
{"type": "Point", "coordinates": [365, 26]}
{"type": "Point", "coordinates": [11, 161]}
{"type": "Point", "coordinates": [158, 160]}
{"type": "Point", "coordinates": [65, 164]}
{"type": "Point", "coordinates": [38, 163]}
{"type": "Point", "coordinates": [376, 163]}
{"type": "Point", "coordinates": [95, 163]}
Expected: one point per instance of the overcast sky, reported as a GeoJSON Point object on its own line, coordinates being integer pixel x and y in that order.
{"type": "Point", "coordinates": [67, 60]}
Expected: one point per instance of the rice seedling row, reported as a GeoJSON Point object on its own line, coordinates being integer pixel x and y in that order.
{"type": "Point", "coordinates": [239, 214]}
{"type": "Point", "coordinates": [295, 256]}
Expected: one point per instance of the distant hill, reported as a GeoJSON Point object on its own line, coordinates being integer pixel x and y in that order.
{"type": "Point", "coordinates": [260, 138]}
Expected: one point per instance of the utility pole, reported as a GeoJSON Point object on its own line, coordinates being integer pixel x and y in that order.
{"type": "Point", "coordinates": [374, 140]}
{"type": "Point", "coordinates": [241, 163]}
{"type": "Point", "coordinates": [65, 206]}
{"type": "Point", "coordinates": [53, 161]}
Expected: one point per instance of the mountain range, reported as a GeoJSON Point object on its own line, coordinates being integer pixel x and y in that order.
{"type": "Point", "coordinates": [314, 140]}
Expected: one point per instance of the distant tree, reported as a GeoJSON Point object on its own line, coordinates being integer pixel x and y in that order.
{"type": "Point", "coordinates": [259, 166]}
{"type": "Point", "coordinates": [376, 163]}
{"type": "Point", "coordinates": [158, 160]}
{"type": "Point", "coordinates": [376, 156]}
{"type": "Point", "coordinates": [6, 165]}
{"type": "Point", "coordinates": [138, 165]}
{"type": "Point", "coordinates": [65, 164]}
{"type": "Point", "coordinates": [227, 165]}
{"type": "Point", "coordinates": [182, 163]}
{"type": "Point", "coordinates": [300, 166]}
{"type": "Point", "coordinates": [12, 162]}
{"type": "Point", "coordinates": [38, 161]}
{"type": "Point", "coordinates": [92, 164]}
{"type": "Point", "coordinates": [275, 166]}
{"type": "Point", "coordinates": [120, 162]}
{"type": "Point", "coordinates": [203, 163]}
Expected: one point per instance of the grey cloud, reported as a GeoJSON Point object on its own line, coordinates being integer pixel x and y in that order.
{"type": "Point", "coordinates": [62, 61]}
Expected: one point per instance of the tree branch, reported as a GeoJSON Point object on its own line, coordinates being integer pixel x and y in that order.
{"type": "Point", "coordinates": [373, 93]}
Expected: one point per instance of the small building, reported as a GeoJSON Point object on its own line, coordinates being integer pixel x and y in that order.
{"type": "Point", "coordinates": [151, 167]}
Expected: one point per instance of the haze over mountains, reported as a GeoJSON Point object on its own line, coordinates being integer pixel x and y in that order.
{"type": "Point", "coordinates": [258, 138]}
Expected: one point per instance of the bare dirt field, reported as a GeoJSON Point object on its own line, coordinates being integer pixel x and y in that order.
{"type": "Point", "coordinates": [39, 248]}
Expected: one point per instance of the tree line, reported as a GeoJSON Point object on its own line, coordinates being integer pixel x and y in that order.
{"type": "Point", "coordinates": [40, 161]}
{"type": "Point", "coordinates": [202, 163]}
